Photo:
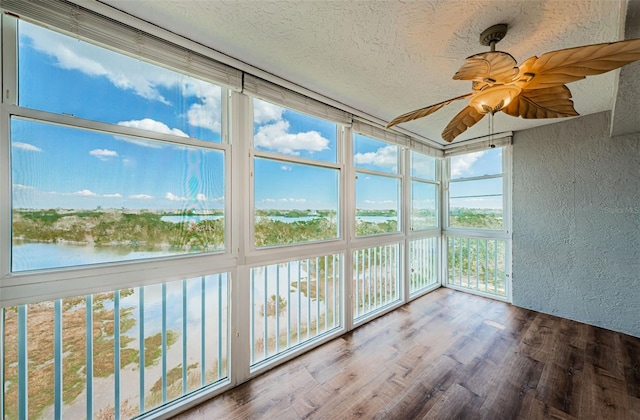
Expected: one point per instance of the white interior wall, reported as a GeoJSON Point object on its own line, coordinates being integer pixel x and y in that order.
{"type": "Point", "coordinates": [576, 223]}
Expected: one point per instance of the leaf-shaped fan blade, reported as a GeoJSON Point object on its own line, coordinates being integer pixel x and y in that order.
{"type": "Point", "coordinates": [423, 112]}
{"type": "Point", "coordinates": [563, 66]}
{"type": "Point", "coordinates": [459, 124]}
{"type": "Point", "coordinates": [552, 102]}
{"type": "Point", "coordinates": [495, 66]}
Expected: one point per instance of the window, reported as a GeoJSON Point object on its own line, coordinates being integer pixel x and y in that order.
{"type": "Point", "coordinates": [424, 192]}
{"type": "Point", "coordinates": [90, 82]}
{"type": "Point", "coordinates": [378, 186]}
{"type": "Point", "coordinates": [476, 190]}
{"type": "Point", "coordinates": [112, 160]}
{"type": "Point", "coordinates": [296, 177]}
{"type": "Point", "coordinates": [478, 241]}
{"type": "Point", "coordinates": [82, 196]}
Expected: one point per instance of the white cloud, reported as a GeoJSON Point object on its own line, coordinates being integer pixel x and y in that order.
{"type": "Point", "coordinates": [122, 71]}
{"type": "Point", "coordinates": [151, 125]}
{"type": "Point", "coordinates": [25, 146]}
{"type": "Point", "coordinates": [380, 202]}
{"type": "Point", "coordinates": [201, 197]}
{"type": "Point", "coordinates": [84, 193]}
{"type": "Point", "coordinates": [423, 166]}
{"type": "Point", "coordinates": [144, 79]}
{"type": "Point", "coordinates": [23, 187]}
{"type": "Point", "coordinates": [461, 164]}
{"type": "Point", "coordinates": [385, 157]}
{"type": "Point", "coordinates": [172, 197]}
{"type": "Point", "coordinates": [116, 195]}
{"type": "Point", "coordinates": [292, 200]}
{"type": "Point", "coordinates": [275, 137]}
{"type": "Point", "coordinates": [141, 197]}
{"type": "Point", "coordinates": [206, 114]}
{"type": "Point", "coordinates": [286, 168]}
{"type": "Point", "coordinates": [103, 154]}
{"type": "Point", "coordinates": [264, 112]}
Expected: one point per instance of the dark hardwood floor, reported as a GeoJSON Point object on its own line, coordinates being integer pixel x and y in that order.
{"type": "Point", "coordinates": [450, 355]}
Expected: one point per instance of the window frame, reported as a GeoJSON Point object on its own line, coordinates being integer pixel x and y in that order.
{"type": "Point", "coordinates": [505, 175]}
{"type": "Point", "coordinates": [436, 182]}
{"type": "Point", "coordinates": [478, 233]}
{"type": "Point", "coordinates": [52, 283]}
{"type": "Point", "coordinates": [399, 176]}
{"type": "Point", "coordinates": [255, 253]}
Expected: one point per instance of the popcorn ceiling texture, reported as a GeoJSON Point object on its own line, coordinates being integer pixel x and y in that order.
{"type": "Point", "coordinates": [389, 57]}
{"type": "Point", "coordinates": [576, 223]}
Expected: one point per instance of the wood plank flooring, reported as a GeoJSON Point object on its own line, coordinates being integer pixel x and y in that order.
{"type": "Point", "coordinates": [449, 355]}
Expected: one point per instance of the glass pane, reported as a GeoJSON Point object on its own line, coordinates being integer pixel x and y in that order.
{"type": "Point", "coordinates": [476, 204]}
{"type": "Point", "coordinates": [292, 303]}
{"type": "Point", "coordinates": [423, 166]}
{"type": "Point", "coordinates": [281, 130]}
{"type": "Point", "coordinates": [377, 204]}
{"type": "Point", "coordinates": [485, 162]}
{"type": "Point", "coordinates": [294, 203]}
{"type": "Point", "coordinates": [374, 155]}
{"type": "Point", "coordinates": [476, 188]}
{"type": "Point", "coordinates": [376, 277]}
{"type": "Point", "coordinates": [82, 197]}
{"type": "Point", "coordinates": [424, 213]}
{"type": "Point", "coordinates": [63, 75]}
{"type": "Point", "coordinates": [138, 337]}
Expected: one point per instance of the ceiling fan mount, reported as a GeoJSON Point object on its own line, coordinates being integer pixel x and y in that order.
{"type": "Point", "coordinates": [534, 89]}
{"type": "Point", "coordinates": [494, 34]}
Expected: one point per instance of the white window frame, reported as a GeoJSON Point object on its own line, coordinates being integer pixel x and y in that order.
{"type": "Point", "coordinates": [32, 286]}
{"type": "Point", "coordinates": [258, 254]}
{"type": "Point", "coordinates": [503, 234]}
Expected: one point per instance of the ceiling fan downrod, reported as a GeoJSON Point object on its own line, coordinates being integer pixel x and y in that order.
{"type": "Point", "coordinates": [494, 34]}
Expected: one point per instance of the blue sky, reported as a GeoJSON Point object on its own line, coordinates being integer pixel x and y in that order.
{"type": "Point", "coordinates": [55, 166]}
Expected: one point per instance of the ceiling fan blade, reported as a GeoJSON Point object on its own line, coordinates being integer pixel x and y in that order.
{"type": "Point", "coordinates": [495, 67]}
{"type": "Point", "coordinates": [551, 102]}
{"type": "Point", "coordinates": [423, 112]}
{"type": "Point", "coordinates": [563, 66]}
{"type": "Point", "coordinates": [459, 124]}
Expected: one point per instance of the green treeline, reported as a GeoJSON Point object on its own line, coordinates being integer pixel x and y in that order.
{"type": "Point", "coordinates": [143, 230]}
{"type": "Point", "coordinates": [146, 231]}
{"type": "Point", "coordinates": [475, 218]}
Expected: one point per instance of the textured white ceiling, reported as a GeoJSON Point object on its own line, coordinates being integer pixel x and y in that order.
{"type": "Point", "coordinates": [389, 57]}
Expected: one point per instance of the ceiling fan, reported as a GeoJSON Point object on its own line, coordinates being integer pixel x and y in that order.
{"type": "Point", "coordinates": [535, 89]}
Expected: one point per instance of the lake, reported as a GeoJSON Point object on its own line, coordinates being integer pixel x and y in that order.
{"type": "Point", "coordinates": [37, 256]}
{"type": "Point", "coordinates": [191, 218]}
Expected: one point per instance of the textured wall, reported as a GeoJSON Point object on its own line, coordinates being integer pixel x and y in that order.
{"type": "Point", "coordinates": [576, 223]}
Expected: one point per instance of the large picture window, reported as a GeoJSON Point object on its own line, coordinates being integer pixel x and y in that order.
{"type": "Point", "coordinates": [296, 177]}
{"type": "Point", "coordinates": [82, 196]}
